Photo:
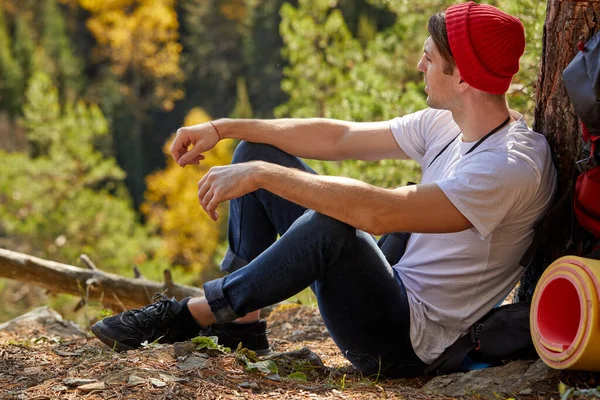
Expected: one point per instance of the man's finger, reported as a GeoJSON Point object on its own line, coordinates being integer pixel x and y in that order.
{"type": "Point", "coordinates": [205, 201]}
{"type": "Point", "coordinates": [180, 144]}
{"type": "Point", "coordinates": [204, 195]}
{"type": "Point", "coordinates": [202, 181]}
{"type": "Point", "coordinates": [196, 160]}
{"type": "Point", "coordinates": [211, 208]}
{"type": "Point", "coordinates": [189, 157]}
{"type": "Point", "coordinates": [177, 151]}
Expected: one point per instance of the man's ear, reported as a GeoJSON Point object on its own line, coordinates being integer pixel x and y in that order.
{"type": "Point", "coordinates": [463, 86]}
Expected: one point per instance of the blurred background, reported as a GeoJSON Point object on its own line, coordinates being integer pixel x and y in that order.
{"type": "Point", "coordinates": [92, 91]}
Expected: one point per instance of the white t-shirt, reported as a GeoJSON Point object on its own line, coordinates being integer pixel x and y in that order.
{"type": "Point", "coordinates": [503, 188]}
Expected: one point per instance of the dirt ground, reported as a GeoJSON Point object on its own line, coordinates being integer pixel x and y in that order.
{"type": "Point", "coordinates": [37, 365]}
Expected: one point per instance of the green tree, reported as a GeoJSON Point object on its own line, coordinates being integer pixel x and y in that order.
{"type": "Point", "coordinates": [213, 56]}
{"type": "Point", "coordinates": [11, 79]}
{"type": "Point", "coordinates": [332, 75]}
{"type": "Point", "coordinates": [67, 198]}
{"type": "Point", "coordinates": [321, 53]}
{"type": "Point", "coordinates": [263, 61]}
{"type": "Point", "coordinates": [62, 62]}
{"type": "Point", "coordinates": [25, 47]}
{"type": "Point", "coordinates": [243, 108]}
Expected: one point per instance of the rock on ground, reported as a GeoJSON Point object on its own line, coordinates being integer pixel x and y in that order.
{"type": "Point", "coordinates": [510, 380]}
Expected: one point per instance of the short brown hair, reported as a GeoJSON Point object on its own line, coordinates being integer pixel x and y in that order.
{"type": "Point", "coordinates": [439, 35]}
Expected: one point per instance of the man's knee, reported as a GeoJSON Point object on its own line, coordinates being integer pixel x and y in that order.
{"type": "Point", "coordinates": [248, 151]}
{"type": "Point", "coordinates": [323, 223]}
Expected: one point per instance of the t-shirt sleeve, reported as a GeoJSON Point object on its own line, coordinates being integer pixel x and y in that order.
{"type": "Point", "coordinates": [413, 132]}
{"type": "Point", "coordinates": [488, 188]}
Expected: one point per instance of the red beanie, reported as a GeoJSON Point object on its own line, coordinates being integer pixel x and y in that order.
{"type": "Point", "coordinates": [486, 45]}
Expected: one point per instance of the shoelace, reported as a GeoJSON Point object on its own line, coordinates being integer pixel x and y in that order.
{"type": "Point", "coordinates": [160, 307]}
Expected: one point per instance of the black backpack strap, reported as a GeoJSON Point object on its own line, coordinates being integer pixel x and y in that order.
{"type": "Point", "coordinates": [529, 255]}
{"type": "Point", "coordinates": [451, 359]}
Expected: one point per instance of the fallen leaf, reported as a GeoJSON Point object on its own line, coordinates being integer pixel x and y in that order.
{"type": "Point", "coordinates": [157, 383]}
{"type": "Point", "coordinates": [78, 381]}
{"type": "Point", "coordinates": [249, 385]}
{"type": "Point", "coordinates": [92, 386]}
{"type": "Point", "coordinates": [134, 380]}
{"type": "Point", "coordinates": [298, 376]}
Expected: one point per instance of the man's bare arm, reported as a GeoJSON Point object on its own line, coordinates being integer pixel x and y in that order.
{"type": "Point", "coordinates": [418, 208]}
{"type": "Point", "coordinates": [318, 138]}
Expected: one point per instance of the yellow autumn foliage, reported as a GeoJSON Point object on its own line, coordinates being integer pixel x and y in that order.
{"type": "Point", "coordinates": [191, 238]}
{"type": "Point", "coordinates": [140, 38]}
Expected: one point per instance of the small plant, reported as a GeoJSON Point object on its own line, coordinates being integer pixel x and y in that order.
{"type": "Point", "coordinates": [210, 344]}
{"type": "Point", "coordinates": [303, 366]}
{"type": "Point", "coordinates": [569, 392]}
{"type": "Point", "coordinates": [336, 383]}
{"type": "Point", "coordinates": [19, 343]}
{"type": "Point", "coordinates": [251, 362]}
{"type": "Point", "coordinates": [47, 339]}
{"type": "Point", "coordinates": [150, 345]}
{"type": "Point", "coordinates": [105, 312]}
{"type": "Point", "coordinates": [378, 374]}
{"type": "Point", "coordinates": [298, 376]}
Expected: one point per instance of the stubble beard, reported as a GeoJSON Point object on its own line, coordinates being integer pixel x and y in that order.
{"type": "Point", "coordinates": [433, 104]}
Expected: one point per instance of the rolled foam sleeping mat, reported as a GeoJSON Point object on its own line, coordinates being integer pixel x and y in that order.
{"type": "Point", "coordinates": [565, 314]}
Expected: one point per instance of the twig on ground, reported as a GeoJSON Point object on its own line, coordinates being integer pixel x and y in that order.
{"type": "Point", "coordinates": [88, 262]}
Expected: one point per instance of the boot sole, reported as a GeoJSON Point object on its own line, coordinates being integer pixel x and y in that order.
{"type": "Point", "coordinates": [263, 352]}
{"type": "Point", "coordinates": [99, 329]}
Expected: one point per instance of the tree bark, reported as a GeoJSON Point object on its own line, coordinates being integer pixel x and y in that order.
{"type": "Point", "coordinates": [567, 23]}
{"type": "Point", "coordinates": [114, 291]}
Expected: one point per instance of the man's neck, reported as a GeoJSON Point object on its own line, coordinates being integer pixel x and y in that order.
{"type": "Point", "coordinates": [479, 122]}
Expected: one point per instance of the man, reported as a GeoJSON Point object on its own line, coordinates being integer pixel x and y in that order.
{"type": "Point", "coordinates": [487, 179]}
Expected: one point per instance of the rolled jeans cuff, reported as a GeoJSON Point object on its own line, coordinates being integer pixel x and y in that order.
{"type": "Point", "coordinates": [219, 306]}
{"type": "Point", "coordinates": [232, 262]}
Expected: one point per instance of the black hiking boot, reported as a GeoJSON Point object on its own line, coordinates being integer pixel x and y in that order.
{"type": "Point", "coordinates": [160, 321]}
{"type": "Point", "coordinates": [253, 335]}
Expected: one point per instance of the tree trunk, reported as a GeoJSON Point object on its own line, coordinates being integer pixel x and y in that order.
{"type": "Point", "coordinates": [114, 291]}
{"type": "Point", "coordinates": [567, 23]}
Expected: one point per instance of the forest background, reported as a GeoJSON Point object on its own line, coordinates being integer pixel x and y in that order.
{"type": "Point", "coordinates": [91, 92]}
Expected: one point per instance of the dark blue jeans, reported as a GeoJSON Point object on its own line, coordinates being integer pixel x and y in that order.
{"type": "Point", "coordinates": [361, 298]}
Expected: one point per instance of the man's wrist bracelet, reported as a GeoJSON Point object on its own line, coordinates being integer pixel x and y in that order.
{"type": "Point", "coordinates": [216, 130]}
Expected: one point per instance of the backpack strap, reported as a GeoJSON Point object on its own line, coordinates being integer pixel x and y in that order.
{"type": "Point", "coordinates": [451, 359]}
{"type": "Point", "coordinates": [590, 155]}
{"type": "Point", "coordinates": [531, 251]}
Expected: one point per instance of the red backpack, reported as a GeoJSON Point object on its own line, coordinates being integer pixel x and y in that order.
{"type": "Point", "coordinates": [582, 80]}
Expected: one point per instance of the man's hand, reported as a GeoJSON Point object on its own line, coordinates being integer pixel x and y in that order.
{"type": "Point", "coordinates": [225, 183]}
{"type": "Point", "coordinates": [203, 137]}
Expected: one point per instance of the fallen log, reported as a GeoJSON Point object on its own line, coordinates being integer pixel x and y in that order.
{"type": "Point", "coordinates": [113, 291]}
